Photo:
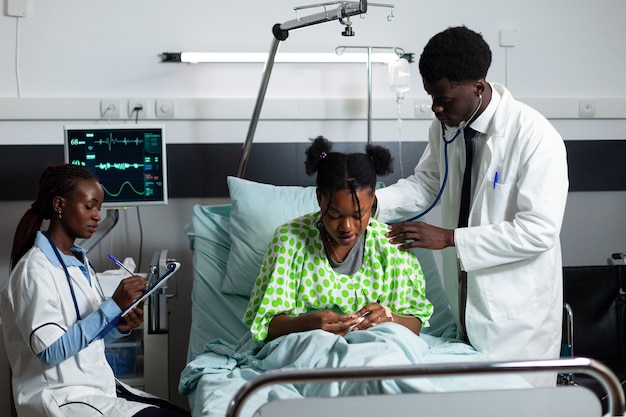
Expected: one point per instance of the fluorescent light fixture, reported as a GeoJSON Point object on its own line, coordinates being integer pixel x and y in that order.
{"type": "Point", "coordinates": [253, 57]}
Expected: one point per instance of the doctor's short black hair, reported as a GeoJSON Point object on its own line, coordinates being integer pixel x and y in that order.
{"type": "Point", "coordinates": [458, 54]}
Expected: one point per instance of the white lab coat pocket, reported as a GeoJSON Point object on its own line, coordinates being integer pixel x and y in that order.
{"type": "Point", "coordinates": [505, 291]}
{"type": "Point", "coordinates": [499, 202]}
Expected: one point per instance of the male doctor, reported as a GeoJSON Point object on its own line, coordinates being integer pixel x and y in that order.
{"type": "Point", "coordinates": [502, 271]}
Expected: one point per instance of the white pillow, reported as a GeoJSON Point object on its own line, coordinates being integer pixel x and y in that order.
{"type": "Point", "coordinates": [257, 210]}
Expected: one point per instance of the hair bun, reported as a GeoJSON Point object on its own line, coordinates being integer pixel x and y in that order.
{"type": "Point", "coordinates": [317, 152]}
{"type": "Point", "coordinates": [381, 158]}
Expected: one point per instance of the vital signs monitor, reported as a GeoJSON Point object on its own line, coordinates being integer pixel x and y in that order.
{"type": "Point", "coordinates": [129, 160]}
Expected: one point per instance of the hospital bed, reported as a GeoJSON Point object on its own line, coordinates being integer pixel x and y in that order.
{"type": "Point", "coordinates": [221, 378]}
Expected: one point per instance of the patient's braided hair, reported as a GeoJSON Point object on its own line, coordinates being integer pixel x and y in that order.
{"type": "Point", "coordinates": [458, 54]}
{"type": "Point", "coordinates": [56, 180]}
{"type": "Point", "coordinates": [351, 171]}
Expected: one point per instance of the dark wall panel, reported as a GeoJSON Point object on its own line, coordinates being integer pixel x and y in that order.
{"type": "Point", "coordinates": [200, 170]}
{"type": "Point", "coordinates": [22, 165]}
{"type": "Point", "coordinates": [597, 165]}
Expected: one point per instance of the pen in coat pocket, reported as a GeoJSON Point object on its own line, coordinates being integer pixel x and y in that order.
{"type": "Point", "coordinates": [495, 180]}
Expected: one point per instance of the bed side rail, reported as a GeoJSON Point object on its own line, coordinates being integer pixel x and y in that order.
{"type": "Point", "coordinates": [591, 367]}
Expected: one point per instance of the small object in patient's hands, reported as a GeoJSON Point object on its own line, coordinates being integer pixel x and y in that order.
{"type": "Point", "coordinates": [358, 321]}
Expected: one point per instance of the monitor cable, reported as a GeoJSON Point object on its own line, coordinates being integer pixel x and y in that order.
{"type": "Point", "coordinates": [136, 110]}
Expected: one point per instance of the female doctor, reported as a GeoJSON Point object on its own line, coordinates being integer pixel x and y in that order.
{"type": "Point", "coordinates": [52, 309]}
{"type": "Point", "coordinates": [503, 270]}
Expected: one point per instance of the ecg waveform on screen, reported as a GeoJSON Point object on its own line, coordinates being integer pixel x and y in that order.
{"type": "Point", "coordinates": [121, 189]}
{"type": "Point", "coordinates": [110, 141]}
{"type": "Point", "coordinates": [122, 166]}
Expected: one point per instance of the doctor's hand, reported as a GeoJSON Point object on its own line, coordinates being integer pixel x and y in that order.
{"type": "Point", "coordinates": [420, 235]}
{"type": "Point", "coordinates": [132, 320]}
{"type": "Point", "coordinates": [128, 290]}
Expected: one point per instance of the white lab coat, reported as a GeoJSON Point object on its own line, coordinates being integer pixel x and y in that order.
{"type": "Point", "coordinates": [511, 251]}
{"type": "Point", "coordinates": [37, 308]}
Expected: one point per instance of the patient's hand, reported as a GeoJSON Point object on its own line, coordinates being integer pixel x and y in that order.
{"type": "Point", "coordinates": [331, 322]}
{"type": "Point", "coordinates": [323, 319]}
{"type": "Point", "coordinates": [374, 314]}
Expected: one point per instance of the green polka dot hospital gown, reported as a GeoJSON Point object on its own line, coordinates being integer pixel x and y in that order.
{"type": "Point", "coordinates": [296, 277]}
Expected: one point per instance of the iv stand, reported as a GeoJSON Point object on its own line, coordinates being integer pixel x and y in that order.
{"type": "Point", "coordinates": [399, 51]}
{"type": "Point", "coordinates": [281, 32]}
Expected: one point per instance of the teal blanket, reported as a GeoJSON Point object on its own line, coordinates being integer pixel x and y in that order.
{"type": "Point", "coordinates": [213, 377]}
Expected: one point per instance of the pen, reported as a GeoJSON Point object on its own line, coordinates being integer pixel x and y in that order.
{"type": "Point", "coordinates": [121, 265]}
{"type": "Point", "coordinates": [495, 180]}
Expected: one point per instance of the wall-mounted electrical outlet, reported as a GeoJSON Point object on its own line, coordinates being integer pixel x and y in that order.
{"type": "Point", "coordinates": [17, 8]}
{"type": "Point", "coordinates": [165, 108]}
{"type": "Point", "coordinates": [508, 37]}
{"type": "Point", "coordinates": [422, 110]}
{"type": "Point", "coordinates": [137, 108]}
{"type": "Point", "coordinates": [586, 108]}
{"type": "Point", "coordinates": [110, 108]}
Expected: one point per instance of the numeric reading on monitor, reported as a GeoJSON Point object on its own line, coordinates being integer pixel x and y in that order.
{"type": "Point", "coordinates": [128, 159]}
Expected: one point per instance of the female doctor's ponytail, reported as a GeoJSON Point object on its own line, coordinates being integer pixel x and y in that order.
{"type": "Point", "coordinates": [56, 180]}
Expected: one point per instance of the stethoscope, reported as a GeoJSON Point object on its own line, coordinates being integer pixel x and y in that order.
{"type": "Point", "coordinates": [67, 275]}
{"type": "Point", "coordinates": [447, 142]}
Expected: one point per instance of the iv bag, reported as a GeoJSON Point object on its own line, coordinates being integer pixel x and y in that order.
{"type": "Point", "coordinates": [399, 76]}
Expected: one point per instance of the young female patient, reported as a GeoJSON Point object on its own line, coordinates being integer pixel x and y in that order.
{"type": "Point", "coordinates": [334, 269]}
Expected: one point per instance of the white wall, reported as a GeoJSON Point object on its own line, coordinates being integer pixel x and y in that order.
{"type": "Point", "coordinates": [78, 48]}
{"type": "Point", "coordinates": [64, 56]}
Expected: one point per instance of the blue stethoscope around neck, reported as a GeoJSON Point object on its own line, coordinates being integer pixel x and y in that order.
{"type": "Point", "coordinates": [67, 274]}
{"type": "Point", "coordinates": [447, 142]}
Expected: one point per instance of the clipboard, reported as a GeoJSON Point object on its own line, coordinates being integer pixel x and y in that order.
{"type": "Point", "coordinates": [171, 268]}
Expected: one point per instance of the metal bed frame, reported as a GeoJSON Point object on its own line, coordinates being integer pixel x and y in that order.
{"type": "Point", "coordinates": [591, 367]}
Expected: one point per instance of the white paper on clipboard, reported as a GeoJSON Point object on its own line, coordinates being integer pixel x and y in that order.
{"type": "Point", "coordinates": [171, 269]}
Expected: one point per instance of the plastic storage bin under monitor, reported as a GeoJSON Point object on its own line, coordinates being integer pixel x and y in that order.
{"type": "Point", "coordinates": [122, 356]}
